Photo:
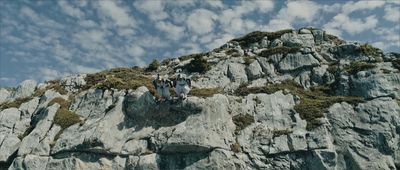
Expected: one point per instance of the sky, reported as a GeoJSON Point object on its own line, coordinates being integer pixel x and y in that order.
{"type": "Point", "coordinates": [47, 39]}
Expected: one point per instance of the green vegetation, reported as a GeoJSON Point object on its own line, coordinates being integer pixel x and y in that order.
{"type": "Point", "coordinates": [257, 36]}
{"type": "Point", "coordinates": [16, 103]}
{"type": "Point", "coordinates": [199, 64]}
{"type": "Point", "coordinates": [357, 66]}
{"type": "Point", "coordinates": [333, 68]}
{"type": "Point", "coordinates": [119, 78]}
{"type": "Point", "coordinates": [235, 147]}
{"type": "Point", "coordinates": [396, 63]}
{"type": "Point", "coordinates": [369, 50]}
{"type": "Point", "coordinates": [204, 92]}
{"type": "Point", "coordinates": [334, 39]}
{"type": "Point", "coordinates": [64, 117]}
{"type": "Point", "coordinates": [313, 103]}
{"type": "Point", "coordinates": [188, 57]}
{"type": "Point", "coordinates": [153, 66]}
{"type": "Point", "coordinates": [249, 60]}
{"type": "Point", "coordinates": [242, 121]}
{"type": "Point", "coordinates": [279, 50]}
{"type": "Point", "coordinates": [282, 132]}
{"type": "Point", "coordinates": [61, 101]}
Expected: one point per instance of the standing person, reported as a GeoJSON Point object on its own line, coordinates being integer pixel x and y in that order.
{"type": "Point", "coordinates": [182, 86]}
{"type": "Point", "coordinates": [162, 86]}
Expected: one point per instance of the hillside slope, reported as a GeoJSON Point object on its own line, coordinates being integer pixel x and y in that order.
{"type": "Point", "coordinates": [292, 99]}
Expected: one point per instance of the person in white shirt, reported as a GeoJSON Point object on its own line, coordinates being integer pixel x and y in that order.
{"type": "Point", "coordinates": [182, 86]}
{"type": "Point", "coordinates": [162, 85]}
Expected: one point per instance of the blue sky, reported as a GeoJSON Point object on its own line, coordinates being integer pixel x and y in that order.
{"type": "Point", "coordinates": [46, 39]}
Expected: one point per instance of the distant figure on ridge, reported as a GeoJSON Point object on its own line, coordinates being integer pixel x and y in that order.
{"type": "Point", "coordinates": [162, 86]}
{"type": "Point", "coordinates": [182, 86]}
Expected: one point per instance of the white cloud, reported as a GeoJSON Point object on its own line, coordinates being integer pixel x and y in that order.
{"type": "Point", "coordinates": [299, 11]}
{"type": "Point", "coordinates": [174, 32]}
{"type": "Point", "coordinates": [214, 4]}
{"type": "Point", "coordinates": [361, 5]}
{"type": "Point", "coordinates": [44, 22]}
{"type": "Point", "coordinates": [392, 13]}
{"type": "Point", "coordinates": [154, 9]}
{"type": "Point", "coordinates": [278, 24]}
{"type": "Point", "coordinates": [201, 21]}
{"type": "Point", "coordinates": [220, 41]}
{"type": "Point", "coordinates": [120, 15]}
{"type": "Point", "coordinates": [48, 74]}
{"type": "Point", "coordinates": [351, 26]}
{"type": "Point", "coordinates": [136, 51]}
{"type": "Point", "coordinates": [87, 23]}
{"type": "Point", "coordinates": [70, 10]}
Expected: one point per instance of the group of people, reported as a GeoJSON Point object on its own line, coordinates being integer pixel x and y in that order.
{"type": "Point", "coordinates": [181, 84]}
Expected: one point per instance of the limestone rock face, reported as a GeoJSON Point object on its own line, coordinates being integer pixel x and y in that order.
{"type": "Point", "coordinates": [297, 61]}
{"type": "Point", "coordinates": [300, 106]}
{"type": "Point", "coordinates": [25, 89]}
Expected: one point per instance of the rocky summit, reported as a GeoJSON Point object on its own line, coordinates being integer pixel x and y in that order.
{"type": "Point", "coordinates": [292, 99]}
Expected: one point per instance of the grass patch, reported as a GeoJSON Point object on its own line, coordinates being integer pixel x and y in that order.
{"type": "Point", "coordinates": [188, 57]}
{"type": "Point", "coordinates": [66, 118]}
{"type": "Point", "coordinates": [357, 66]}
{"type": "Point", "coordinates": [153, 66]}
{"type": "Point", "coordinates": [61, 101]}
{"type": "Point", "coordinates": [16, 103]}
{"type": "Point", "coordinates": [333, 68]}
{"type": "Point", "coordinates": [396, 63]}
{"type": "Point", "coordinates": [336, 40]}
{"type": "Point", "coordinates": [257, 36]}
{"type": "Point", "coordinates": [199, 64]}
{"type": "Point", "coordinates": [278, 133]}
{"type": "Point", "coordinates": [204, 92]}
{"type": "Point", "coordinates": [235, 147]}
{"type": "Point", "coordinates": [242, 121]}
{"type": "Point", "coordinates": [313, 102]}
{"type": "Point", "coordinates": [370, 50]}
{"type": "Point", "coordinates": [119, 78]}
{"type": "Point", "coordinates": [249, 60]}
{"type": "Point", "coordinates": [279, 50]}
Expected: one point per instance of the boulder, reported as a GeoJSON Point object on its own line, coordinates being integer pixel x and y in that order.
{"type": "Point", "coordinates": [370, 85]}
{"type": "Point", "coordinates": [25, 89]}
{"type": "Point", "coordinates": [254, 70]}
{"type": "Point", "coordinates": [237, 73]}
{"type": "Point", "coordinates": [4, 95]}
{"type": "Point", "coordinates": [297, 61]}
{"type": "Point", "coordinates": [74, 83]}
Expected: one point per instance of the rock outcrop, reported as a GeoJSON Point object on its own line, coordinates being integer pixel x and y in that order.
{"type": "Point", "coordinates": [294, 99]}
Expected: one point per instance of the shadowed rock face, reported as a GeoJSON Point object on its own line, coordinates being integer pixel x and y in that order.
{"type": "Point", "coordinates": [261, 128]}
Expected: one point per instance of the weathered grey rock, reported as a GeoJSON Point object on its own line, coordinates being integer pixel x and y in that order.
{"type": "Point", "coordinates": [38, 142]}
{"type": "Point", "coordinates": [369, 85]}
{"type": "Point", "coordinates": [319, 35]}
{"type": "Point", "coordinates": [291, 40]}
{"type": "Point", "coordinates": [237, 73]}
{"type": "Point", "coordinates": [268, 68]}
{"type": "Point", "coordinates": [264, 43]}
{"type": "Point", "coordinates": [276, 43]}
{"type": "Point", "coordinates": [8, 117]}
{"type": "Point", "coordinates": [304, 31]}
{"type": "Point", "coordinates": [25, 89]}
{"type": "Point", "coordinates": [254, 70]}
{"type": "Point", "coordinates": [35, 162]}
{"type": "Point", "coordinates": [93, 103]}
{"type": "Point", "coordinates": [74, 83]}
{"type": "Point", "coordinates": [8, 146]}
{"type": "Point", "coordinates": [350, 52]}
{"type": "Point", "coordinates": [4, 95]}
{"type": "Point", "coordinates": [297, 61]}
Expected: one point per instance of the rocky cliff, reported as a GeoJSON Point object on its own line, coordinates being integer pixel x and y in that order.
{"type": "Point", "coordinates": [292, 99]}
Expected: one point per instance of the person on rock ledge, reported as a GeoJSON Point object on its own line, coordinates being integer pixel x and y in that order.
{"type": "Point", "coordinates": [182, 86]}
{"type": "Point", "coordinates": [162, 85]}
